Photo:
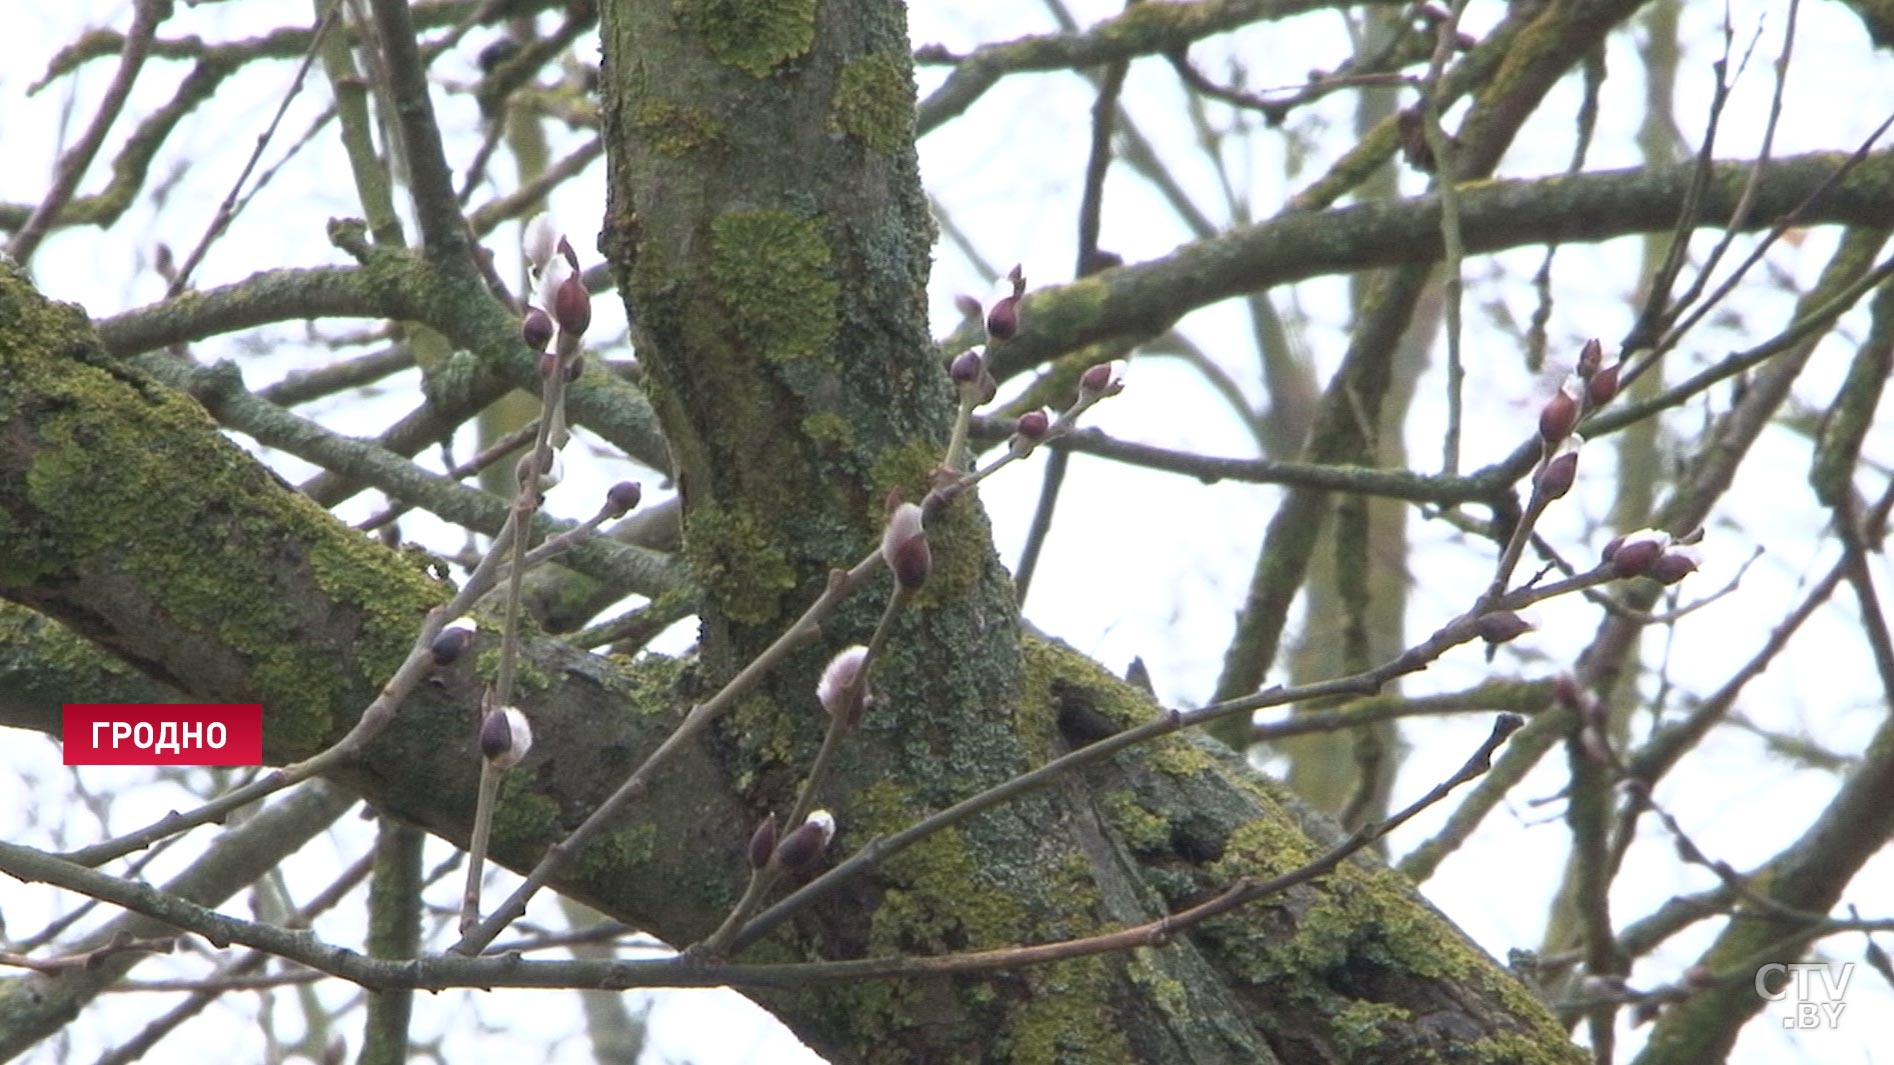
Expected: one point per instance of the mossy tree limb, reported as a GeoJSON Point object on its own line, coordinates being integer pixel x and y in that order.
{"type": "Point", "coordinates": [125, 515]}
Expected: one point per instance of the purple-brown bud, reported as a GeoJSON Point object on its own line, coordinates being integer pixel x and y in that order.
{"type": "Point", "coordinates": [1590, 357]}
{"type": "Point", "coordinates": [1557, 473]}
{"type": "Point", "coordinates": [1603, 386]}
{"type": "Point", "coordinates": [575, 367]}
{"type": "Point", "coordinates": [622, 497]}
{"type": "Point", "coordinates": [913, 562]}
{"type": "Point", "coordinates": [1611, 548]}
{"type": "Point", "coordinates": [1105, 379]}
{"type": "Point", "coordinates": [1675, 564]}
{"type": "Point", "coordinates": [543, 474]}
{"type": "Point", "coordinates": [1002, 322]}
{"type": "Point", "coordinates": [967, 306]}
{"type": "Point", "coordinates": [1028, 431]}
{"type": "Point", "coordinates": [1501, 626]}
{"type": "Point", "coordinates": [1033, 425]}
{"type": "Point", "coordinates": [1559, 416]}
{"type": "Point", "coordinates": [904, 547]}
{"type": "Point", "coordinates": [800, 848]}
{"type": "Point", "coordinates": [571, 304]}
{"type": "Point", "coordinates": [967, 367]}
{"type": "Point", "coordinates": [763, 842]}
{"type": "Point", "coordinates": [536, 329]}
{"type": "Point", "coordinates": [505, 737]}
{"type": "Point", "coordinates": [452, 642]}
{"type": "Point", "coordinates": [1633, 554]}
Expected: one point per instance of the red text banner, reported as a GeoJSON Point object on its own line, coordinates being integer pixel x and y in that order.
{"type": "Point", "coordinates": [163, 733]}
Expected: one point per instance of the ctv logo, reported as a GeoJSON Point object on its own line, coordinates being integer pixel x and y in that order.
{"type": "Point", "coordinates": [163, 734]}
{"type": "Point", "coordinates": [1812, 989]}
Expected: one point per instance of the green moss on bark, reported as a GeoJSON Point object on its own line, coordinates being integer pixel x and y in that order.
{"type": "Point", "coordinates": [754, 36]}
{"type": "Point", "coordinates": [738, 563]}
{"type": "Point", "coordinates": [675, 130]}
{"type": "Point", "coordinates": [523, 819]}
{"type": "Point", "coordinates": [620, 853]}
{"type": "Point", "coordinates": [1362, 923]}
{"type": "Point", "coordinates": [1068, 1018]}
{"type": "Point", "coordinates": [874, 102]}
{"type": "Point", "coordinates": [773, 274]}
{"type": "Point", "coordinates": [225, 558]}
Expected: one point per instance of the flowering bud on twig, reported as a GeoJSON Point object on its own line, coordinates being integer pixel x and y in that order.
{"type": "Point", "coordinates": [550, 470]}
{"type": "Point", "coordinates": [1501, 626]}
{"type": "Point", "coordinates": [1560, 414]}
{"type": "Point", "coordinates": [536, 329]}
{"type": "Point", "coordinates": [904, 547]}
{"type": "Point", "coordinates": [622, 497]}
{"type": "Point", "coordinates": [763, 842]}
{"type": "Point", "coordinates": [841, 691]}
{"type": "Point", "coordinates": [1033, 424]}
{"type": "Point", "coordinates": [800, 848]}
{"type": "Point", "coordinates": [572, 304]}
{"type": "Point", "coordinates": [1590, 357]}
{"type": "Point", "coordinates": [505, 737]}
{"type": "Point", "coordinates": [969, 372]}
{"type": "Point", "coordinates": [1633, 554]}
{"type": "Point", "coordinates": [967, 367]}
{"type": "Point", "coordinates": [452, 642]}
{"type": "Point", "coordinates": [1002, 322]}
{"type": "Point", "coordinates": [1676, 564]}
{"type": "Point", "coordinates": [1028, 431]}
{"type": "Point", "coordinates": [1603, 386]}
{"type": "Point", "coordinates": [1105, 379]}
{"type": "Point", "coordinates": [1559, 470]}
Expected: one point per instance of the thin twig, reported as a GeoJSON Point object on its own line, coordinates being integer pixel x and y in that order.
{"type": "Point", "coordinates": [146, 14]}
{"type": "Point", "coordinates": [227, 210]}
{"type": "Point", "coordinates": [1443, 148]}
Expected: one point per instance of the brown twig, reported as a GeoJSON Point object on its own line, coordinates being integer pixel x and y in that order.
{"type": "Point", "coordinates": [146, 14]}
